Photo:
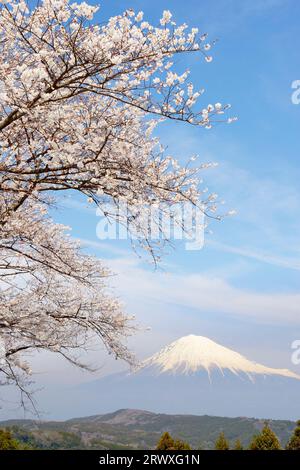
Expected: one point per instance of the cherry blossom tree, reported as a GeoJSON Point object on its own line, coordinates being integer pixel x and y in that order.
{"type": "Point", "coordinates": [79, 102]}
{"type": "Point", "coordinates": [52, 297]}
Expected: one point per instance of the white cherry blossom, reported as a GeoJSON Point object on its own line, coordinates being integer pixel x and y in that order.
{"type": "Point", "coordinates": [76, 98]}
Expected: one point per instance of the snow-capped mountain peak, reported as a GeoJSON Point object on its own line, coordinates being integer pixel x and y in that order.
{"type": "Point", "coordinates": [191, 354]}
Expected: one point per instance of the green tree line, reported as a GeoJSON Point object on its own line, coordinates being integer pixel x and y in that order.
{"type": "Point", "coordinates": [264, 440]}
{"type": "Point", "coordinates": [18, 439]}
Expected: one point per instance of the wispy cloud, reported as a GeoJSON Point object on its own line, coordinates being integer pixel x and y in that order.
{"type": "Point", "coordinates": [206, 294]}
{"type": "Point", "coordinates": [281, 261]}
{"type": "Point", "coordinates": [103, 248]}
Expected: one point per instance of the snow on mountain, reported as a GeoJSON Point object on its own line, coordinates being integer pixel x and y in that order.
{"type": "Point", "coordinates": [191, 354]}
{"type": "Point", "coordinates": [193, 375]}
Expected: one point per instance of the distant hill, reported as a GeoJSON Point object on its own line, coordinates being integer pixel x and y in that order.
{"type": "Point", "coordinates": [137, 429]}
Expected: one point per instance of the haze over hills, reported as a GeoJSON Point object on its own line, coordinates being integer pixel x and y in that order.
{"type": "Point", "coordinates": [193, 375]}
{"type": "Point", "coordinates": [138, 429]}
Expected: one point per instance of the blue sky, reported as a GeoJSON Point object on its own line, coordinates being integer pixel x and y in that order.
{"type": "Point", "coordinates": [243, 288]}
{"type": "Point", "coordinates": [256, 253]}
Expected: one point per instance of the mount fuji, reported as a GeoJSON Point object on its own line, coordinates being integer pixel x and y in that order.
{"type": "Point", "coordinates": [191, 354]}
{"type": "Point", "coordinates": [194, 375]}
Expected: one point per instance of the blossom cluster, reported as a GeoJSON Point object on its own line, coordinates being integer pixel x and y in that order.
{"type": "Point", "coordinates": [79, 104]}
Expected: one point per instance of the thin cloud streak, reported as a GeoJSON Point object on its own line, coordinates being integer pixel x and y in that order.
{"type": "Point", "coordinates": [204, 293]}
{"type": "Point", "coordinates": [282, 262]}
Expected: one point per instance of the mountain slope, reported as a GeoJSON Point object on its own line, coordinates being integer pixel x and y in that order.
{"type": "Point", "coordinates": [130, 428]}
{"type": "Point", "coordinates": [195, 375]}
{"type": "Point", "coordinates": [190, 354]}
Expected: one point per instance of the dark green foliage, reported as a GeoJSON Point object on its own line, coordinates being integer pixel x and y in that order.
{"type": "Point", "coordinates": [142, 432]}
{"type": "Point", "coordinates": [238, 445]}
{"type": "Point", "coordinates": [47, 440]}
{"type": "Point", "coordinates": [66, 440]}
{"type": "Point", "coordinates": [7, 442]}
{"type": "Point", "coordinates": [266, 440]}
{"type": "Point", "coordinates": [294, 442]}
{"type": "Point", "coordinates": [25, 437]}
{"type": "Point", "coordinates": [181, 445]}
{"type": "Point", "coordinates": [167, 442]}
{"type": "Point", "coordinates": [221, 443]}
